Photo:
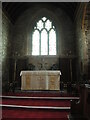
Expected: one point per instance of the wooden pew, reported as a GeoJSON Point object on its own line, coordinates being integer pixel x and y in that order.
{"type": "Point", "coordinates": [82, 107]}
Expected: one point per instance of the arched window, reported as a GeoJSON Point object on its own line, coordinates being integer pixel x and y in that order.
{"type": "Point", "coordinates": [44, 38]}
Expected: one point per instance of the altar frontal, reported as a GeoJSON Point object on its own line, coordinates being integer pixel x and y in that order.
{"type": "Point", "coordinates": [40, 80]}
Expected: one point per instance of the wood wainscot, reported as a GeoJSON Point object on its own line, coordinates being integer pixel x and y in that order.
{"type": "Point", "coordinates": [81, 108]}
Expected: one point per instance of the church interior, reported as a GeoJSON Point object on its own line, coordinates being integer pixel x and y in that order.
{"type": "Point", "coordinates": [45, 60]}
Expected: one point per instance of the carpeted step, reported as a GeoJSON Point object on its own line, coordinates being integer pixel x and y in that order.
{"type": "Point", "coordinates": [34, 107]}
{"type": "Point", "coordinates": [35, 102]}
{"type": "Point", "coordinates": [39, 94]}
{"type": "Point", "coordinates": [51, 98]}
{"type": "Point", "coordinates": [34, 114]}
{"type": "Point", "coordinates": [38, 101]}
{"type": "Point", "coordinates": [40, 105]}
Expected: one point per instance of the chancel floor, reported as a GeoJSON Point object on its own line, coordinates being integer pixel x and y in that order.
{"type": "Point", "coordinates": [36, 104]}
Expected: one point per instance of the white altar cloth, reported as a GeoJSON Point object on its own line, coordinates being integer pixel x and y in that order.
{"type": "Point", "coordinates": [40, 80]}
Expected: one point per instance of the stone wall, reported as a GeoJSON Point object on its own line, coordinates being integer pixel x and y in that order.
{"type": "Point", "coordinates": [6, 47]}
{"type": "Point", "coordinates": [0, 47]}
{"type": "Point", "coordinates": [87, 35]}
{"type": "Point", "coordinates": [83, 41]}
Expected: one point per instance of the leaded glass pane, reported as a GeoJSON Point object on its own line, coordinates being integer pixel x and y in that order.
{"type": "Point", "coordinates": [48, 25]}
{"type": "Point", "coordinates": [35, 43]}
{"type": "Point", "coordinates": [44, 42]}
{"type": "Point", "coordinates": [44, 18]}
{"type": "Point", "coordinates": [52, 42]}
{"type": "Point", "coordinates": [40, 25]}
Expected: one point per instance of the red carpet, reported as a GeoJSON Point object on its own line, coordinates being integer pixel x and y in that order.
{"type": "Point", "coordinates": [30, 102]}
{"type": "Point", "coordinates": [16, 113]}
{"type": "Point", "coordinates": [21, 113]}
{"type": "Point", "coordinates": [39, 94]}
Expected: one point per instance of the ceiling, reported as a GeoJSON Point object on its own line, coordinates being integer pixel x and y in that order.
{"type": "Point", "coordinates": [14, 9]}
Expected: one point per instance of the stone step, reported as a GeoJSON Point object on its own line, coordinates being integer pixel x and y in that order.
{"type": "Point", "coordinates": [52, 98]}
{"type": "Point", "coordinates": [35, 107]}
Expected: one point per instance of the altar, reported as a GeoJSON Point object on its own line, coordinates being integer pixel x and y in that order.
{"type": "Point", "coordinates": [40, 80]}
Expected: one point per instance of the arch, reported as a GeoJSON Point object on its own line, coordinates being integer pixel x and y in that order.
{"type": "Point", "coordinates": [36, 17]}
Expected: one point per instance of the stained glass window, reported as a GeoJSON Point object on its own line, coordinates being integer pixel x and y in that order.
{"type": "Point", "coordinates": [44, 42]}
{"type": "Point", "coordinates": [44, 38]}
{"type": "Point", "coordinates": [52, 42]}
{"type": "Point", "coordinates": [35, 43]}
